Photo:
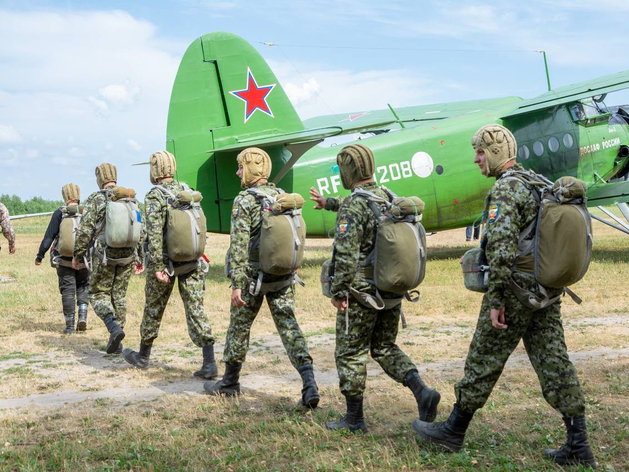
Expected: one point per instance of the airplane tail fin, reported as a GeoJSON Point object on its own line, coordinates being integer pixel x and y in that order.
{"type": "Point", "coordinates": [225, 98]}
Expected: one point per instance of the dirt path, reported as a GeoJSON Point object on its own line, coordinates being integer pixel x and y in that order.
{"type": "Point", "coordinates": [289, 384]}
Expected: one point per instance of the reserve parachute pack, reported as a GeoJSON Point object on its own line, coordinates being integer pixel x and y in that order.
{"type": "Point", "coordinates": [70, 219]}
{"type": "Point", "coordinates": [185, 229]}
{"type": "Point", "coordinates": [397, 264]}
{"type": "Point", "coordinates": [557, 247]}
{"type": "Point", "coordinates": [279, 247]}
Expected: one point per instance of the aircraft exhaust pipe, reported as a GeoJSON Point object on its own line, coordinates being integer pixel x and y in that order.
{"type": "Point", "coordinates": [623, 151]}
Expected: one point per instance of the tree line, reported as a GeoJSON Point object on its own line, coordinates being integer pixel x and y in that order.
{"type": "Point", "coordinates": [16, 206]}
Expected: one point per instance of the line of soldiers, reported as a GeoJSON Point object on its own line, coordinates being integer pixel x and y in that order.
{"type": "Point", "coordinates": [360, 329]}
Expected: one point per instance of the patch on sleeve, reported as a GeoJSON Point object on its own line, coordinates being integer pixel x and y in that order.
{"type": "Point", "coordinates": [343, 227]}
{"type": "Point", "coordinates": [494, 212]}
{"type": "Point", "coordinates": [85, 210]}
{"type": "Point", "coordinates": [149, 207]}
{"type": "Point", "coordinates": [235, 211]}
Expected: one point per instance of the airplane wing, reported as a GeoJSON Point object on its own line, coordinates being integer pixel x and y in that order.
{"type": "Point", "coordinates": [574, 92]}
{"type": "Point", "coordinates": [602, 194]}
{"type": "Point", "coordinates": [378, 119]}
{"type": "Point", "coordinates": [30, 215]}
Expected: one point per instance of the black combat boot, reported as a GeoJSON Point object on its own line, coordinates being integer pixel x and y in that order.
{"type": "Point", "coordinates": [208, 370]}
{"type": "Point", "coordinates": [450, 433]}
{"type": "Point", "coordinates": [82, 323]}
{"type": "Point", "coordinates": [577, 450]}
{"type": "Point", "coordinates": [228, 385]}
{"type": "Point", "coordinates": [353, 419]}
{"type": "Point", "coordinates": [69, 329]}
{"type": "Point", "coordinates": [138, 359]}
{"type": "Point", "coordinates": [309, 392]}
{"type": "Point", "coordinates": [427, 398]}
{"type": "Point", "coordinates": [116, 334]}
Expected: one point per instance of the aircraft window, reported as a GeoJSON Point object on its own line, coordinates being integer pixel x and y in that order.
{"type": "Point", "coordinates": [538, 148]}
{"type": "Point", "coordinates": [577, 112]}
{"type": "Point", "coordinates": [553, 144]}
{"type": "Point", "coordinates": [568, 140]}
{"type": "Point", "coordinates": [524, 152]}
{"type": "Point", "coordinates": [439, 170]}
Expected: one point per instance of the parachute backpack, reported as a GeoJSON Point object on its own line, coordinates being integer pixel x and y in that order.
{"type": "Point", "coordinates": [70, 219]}
{"type": "Point", "coordinates": [279, 246]}
{"type": "Point", "coordinates": [397, 264]}
{"type": "Point", "coordinates": [558, 244]}
{"type": "Point", "coordinates": [185, 229]}
{"type": "Point", "coordinates": [122, 227]}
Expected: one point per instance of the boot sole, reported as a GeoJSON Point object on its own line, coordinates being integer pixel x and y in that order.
{"type": "Point", "coordinates": [312, 403]}
{"type": "Point", "coordinates": [113, 347]}
{"type": "Point", "coordinates": [587, 463]}
{"type": "Point", "coordinates": [82, 326]}
{"type": "Point", "coordinates": [430, 412]}
{"type": "Point", "coordinates": [450, 447]}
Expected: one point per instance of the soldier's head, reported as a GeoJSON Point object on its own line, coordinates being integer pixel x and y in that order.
{"type": "Point", "coordinates": [254, 165]}
{"type": "Point", "coordinates": [356, 164]}
{"type": "Point", "coordinates": [163, 166]}
{"type": "Point", "coordinates": [495, 149]}
{"type": "Point", "coordinates": [106, 175]}
{"type": "Point", "coordinates": [71, 194]}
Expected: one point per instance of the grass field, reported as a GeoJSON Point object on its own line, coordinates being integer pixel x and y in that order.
{"type": "Point", "coordinates": [66, 406]}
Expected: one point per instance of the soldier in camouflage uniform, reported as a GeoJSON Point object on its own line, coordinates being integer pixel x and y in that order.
{"type": "Point", "coordinates": [73, 284]}
{"type": "Point", "coordinates": [7, 229]}
{"type": "Point", "coordinates": [503, 320]}
{"type": "Point", "coordinates": [109, 278]}
{"type": "Point", "coordinates": [361, 328]}
{"type": "Point", "coordinates": [160, 279]}
{"type": "Point", "coordinates": [254, 168]}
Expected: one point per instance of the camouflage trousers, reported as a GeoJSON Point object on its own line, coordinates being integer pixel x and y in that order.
{"type": "Point", "coordinates": [191, 289]}
{"type": "Point", "coordinates": [543, 336]}
{"type": "Point", "coordinates": [108, 290]}
{"type": "Point", "coordinates": [282, 306]}
{"type": "Point", "coordinates": [73, 286]}
{"type": "Point", "coordinates": [368, 330]}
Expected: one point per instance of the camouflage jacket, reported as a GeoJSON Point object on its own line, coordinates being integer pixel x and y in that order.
{"type": "Point", "coordinates": [509, 208]}
{"type": "Point", "coordinates": [156, 207]}
{"type": "Point", "coordinates": [354, 240]}
{"type": "Point", "coordinates": [246, 225]}
{"type": "Point", "coordinates": [5, 222]}
{"type": "Point", "coordinates": [92, 224]}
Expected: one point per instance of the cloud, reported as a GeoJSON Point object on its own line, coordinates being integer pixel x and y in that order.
{"type": "Point", "coordinates": [9, 158]}
{"type": "Point", "coordinates": [119, 94]}
{"type": "Point", "coordinates": [133, 145]}
{"type": "Point", "coordinates": [100, 105]}
{"type": "Point", "coordinates": [302, 93]}
{"type": "Point", "coordinates": [8, 134]}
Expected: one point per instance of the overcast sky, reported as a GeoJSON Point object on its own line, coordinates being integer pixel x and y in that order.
{"type": "Point", "coordinates": [85, 82]}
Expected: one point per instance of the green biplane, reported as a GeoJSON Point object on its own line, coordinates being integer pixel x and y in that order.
{"type": "Point", "coordinates": [226, 98]}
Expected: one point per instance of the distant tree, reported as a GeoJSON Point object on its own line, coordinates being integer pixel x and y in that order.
{"type": "Point", "coordinates": [16, 206]}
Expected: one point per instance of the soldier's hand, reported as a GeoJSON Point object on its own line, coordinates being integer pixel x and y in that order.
{"type": "Point", "coordinates": [75, 264]}
{"type": "Point", "coordinates": [498, 318]}
{"type": "Point", "coordinates": [12, 249]}
{"type": "Point", "coordinates": [340, 305]}
{"type": "Point", "coordinates": [237, 300]}
{"type": "Point", "coordinates": [37, 262]}
{"type": "Point", "coordinates": [162, 277]}
{"type": "Point", "coordinates": [316, 197]}
{"type": "Point", "coordinates": [139, 268]}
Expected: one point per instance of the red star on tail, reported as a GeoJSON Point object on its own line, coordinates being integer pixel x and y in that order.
{"type": "Point", "coordinates": [254, 96]}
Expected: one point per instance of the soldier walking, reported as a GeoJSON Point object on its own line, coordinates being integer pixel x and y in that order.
{"type": "Point", "coordinates": [511, 207]}
{"type": "Point", "coordinates": [111, 267]}
{"type": "Point", "coordinates": [254, 169]}
{"type": "Point", "coordinates": [73, 284]}
{"type": "Point", "coordinates": [360, 328]}
{"type": "Point", "coordinates": [7, 229]}
{"type": "Point", "coordinates": [162, 271]}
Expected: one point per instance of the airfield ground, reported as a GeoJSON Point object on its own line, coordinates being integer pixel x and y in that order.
{"type": "Point", "coordinates": [66, 406]}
